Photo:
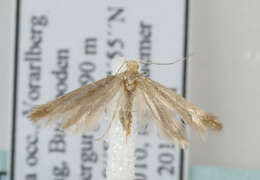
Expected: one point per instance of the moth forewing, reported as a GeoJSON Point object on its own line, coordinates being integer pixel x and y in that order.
{"type": "Point", "coordinates": [168, 126]}
{"type": "Point", "coordinates": [192, 115]}
{"type": "Point", "coordinates": [80, 108]}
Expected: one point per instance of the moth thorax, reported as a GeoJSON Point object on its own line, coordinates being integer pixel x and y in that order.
{"type": "Point", "coordinates": [130, 85]}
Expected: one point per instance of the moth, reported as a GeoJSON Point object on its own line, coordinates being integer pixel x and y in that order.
{"type": "Point", "coordinates": [82, 108]}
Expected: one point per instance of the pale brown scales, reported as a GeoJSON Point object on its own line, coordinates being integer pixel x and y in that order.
{"type": "Point", "coordinates": [130, 84]}
{"type": "Point", "coordinates": [82, 108]}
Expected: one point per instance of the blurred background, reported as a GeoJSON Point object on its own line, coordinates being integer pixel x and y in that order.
{"type": "Point", "coordinates": [223, 78]}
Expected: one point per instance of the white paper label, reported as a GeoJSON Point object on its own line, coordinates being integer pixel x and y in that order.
{"type": "Point", "coordinates": [63, 45]}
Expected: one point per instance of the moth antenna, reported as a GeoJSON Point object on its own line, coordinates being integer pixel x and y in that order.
{"type": "Point", "coordinates": [175, 61]}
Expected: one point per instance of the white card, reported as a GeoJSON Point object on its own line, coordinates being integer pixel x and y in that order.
{"type": "Point", "coordinates": [63, 45]}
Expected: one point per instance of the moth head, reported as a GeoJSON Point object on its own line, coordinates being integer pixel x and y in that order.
{"type": "Point", "coordinates": [132, 66]}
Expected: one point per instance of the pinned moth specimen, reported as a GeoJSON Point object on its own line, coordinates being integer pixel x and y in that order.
{"type": "Point", "coordinates": [82, 108]}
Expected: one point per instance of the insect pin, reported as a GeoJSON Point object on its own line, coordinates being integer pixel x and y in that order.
{"type": "Point", "coordinates": [82, 108]}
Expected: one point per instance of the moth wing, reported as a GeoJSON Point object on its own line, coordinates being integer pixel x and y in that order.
{"type": "Point", "coordinates": [80, 108]}
{"type": "Point", "coordinates": [143, 113]}
{"type": "Point", "coordinates": [168, 126]}
{"type": "Point", "coordinates": [198, 119]}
